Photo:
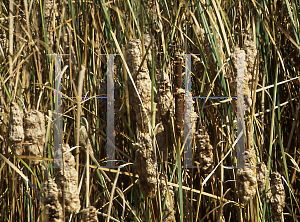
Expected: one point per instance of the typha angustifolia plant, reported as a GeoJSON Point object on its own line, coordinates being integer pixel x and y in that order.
{"type": "Point", "coordinates": [145, 159]}
{"type": "Point", "coordinates": [140, 74]}
{"type": "Point", "coordinates": [92, 24]}
{"type": "Point", "coordinates": [179, 105]}
{"type": "Point", "coordinates": [246, 177]}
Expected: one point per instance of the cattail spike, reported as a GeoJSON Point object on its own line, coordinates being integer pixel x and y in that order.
{"type": "Point", "coordinates": [179, 99]}
{"type": "Point", "coordinates": [89, 214]}
{"type": "Point", "coordinates": [246, 178]}
{"type": "Point", "coordinates": [205, 150]}
{"type": "Point", "coordinates": [16, 131]}
{"type": "Point", "coordinates": [277, 197]}
{"type": "Point", "coordinates": [67, 180]}
{"type": "Point", "coordinates": [34, 134]}
{"type": "Point", "coordinates": [146, 165]}
{"type": "Point", "coordinates": [53, 208]}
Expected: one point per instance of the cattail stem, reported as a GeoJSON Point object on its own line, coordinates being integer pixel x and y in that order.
{"type": "Point", "coordinates": [179, 179]}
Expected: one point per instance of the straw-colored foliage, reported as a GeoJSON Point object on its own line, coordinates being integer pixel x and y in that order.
{"type": "Point", "coordinates": [46, 175]}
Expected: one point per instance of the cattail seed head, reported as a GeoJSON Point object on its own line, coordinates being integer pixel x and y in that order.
{"type": "Point", "coordinates": [133, 56]}
{"type": "Point", "coordinates": [246, 177]}
{"type": "Point", "coordinates": [277, 197]}
{"type": "Point", "coordinates": [205, 150]}
{"type": "Point", "coordinates": [34, 128]}
{"type": "Point", "coordinates": [165, 97]}
{"type": "Point", "coordinates": [67, 180]}
{"type": "Point", "coordinates": [51, 203]}
{"type": "Point", "coordinates": [179, 98]}
{"type": "Point", "coordinates": [261, 176]}
{"type": "Point", "coordinates": [16, 131]}
{"type": "Point", "coordinates": [89, 214]}
{"type": "Point", "coordinates": [146, 165]}
{"type": "Point", "coordinates": [142, 82]}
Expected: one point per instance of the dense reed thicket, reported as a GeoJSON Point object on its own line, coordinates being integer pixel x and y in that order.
{"type": "Point", "coordinates": [150, 40]}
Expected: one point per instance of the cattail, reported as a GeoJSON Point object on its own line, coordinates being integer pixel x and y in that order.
{"type": "Point", "coordinates": [205, 150]}
{"type": "Point", "coordinates": [246, 177]}
{"type": "Point", "coordinates": [165, 98]}
{"type": "Point", "coordinates": [238, 66]}
{"type": "Point", "coordinates": [90, 214]}
{"type": "Point", "coordinates": [246, 66]}
{"type": "Point", "coordinates": [16, 131]}
{"type": "Point", "coordinates": [277, 196]}
{"type": "Point", "coordinates": [250, 61]}
{"type": "Point", "coordinates": [190, 111]}
{"type": "Point", "coordinates": [67, 180]}
{"type": "Point", "coordinates": [143, 84]}
{"type": "Point", "coordinates": [146, 165]}
{"type": "Point", "coordinates": [168, 194]}
{"type": "Point", "coordinates": [261, 177]}
{"type": "Point", "coordinates": [166, 105]}
{"type": "Point", "coordinates": [51, 203]}
{"type": "Point", "coordinates": [179, 99]}
{"type": "Point", "coordinates": [142, 81]}
{"type": "Point", "coordinates": [34, 128]}
{"type": "Point", "coordinates": [251, 51]}
{"type": "Point", "coordinates": [133, 56]}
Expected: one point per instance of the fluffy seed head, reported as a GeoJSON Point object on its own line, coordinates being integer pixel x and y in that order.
{"type": "Point", "coordinates": [89, 214]}
{"type": "Point", "coordinates": [261, 176]}
{"type": "Point", "coordinates": [67, 179]}
{"type": "Point", "coordinates": [246, 177]}
{"type": "Point", "coordinates": [16, 131]}
{"type": "Point", "coordinates": [277, 198]}
{"type": "Point", "coordinates": [205, 150]}
{"type": "Point", "coordinates": [51, 203]}
{"type": "Point", "coordinates": [146, 165]}
{"type": "Point", "coordinates": [34, 133]}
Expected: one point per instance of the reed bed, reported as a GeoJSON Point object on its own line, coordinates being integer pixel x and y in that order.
{"type": "Point", "coordinates": [149, 40]}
